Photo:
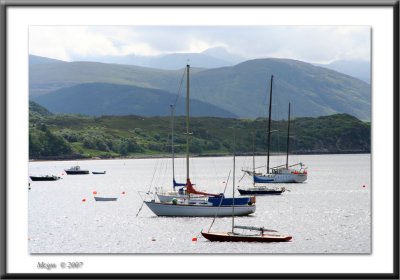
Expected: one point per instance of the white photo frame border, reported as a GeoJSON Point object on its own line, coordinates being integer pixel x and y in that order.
{"type": "Point", "coordinates": [384, 141]}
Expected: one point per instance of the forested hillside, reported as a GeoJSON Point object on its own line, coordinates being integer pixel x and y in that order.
{"type": "Point", "coordinates": [74, 136]}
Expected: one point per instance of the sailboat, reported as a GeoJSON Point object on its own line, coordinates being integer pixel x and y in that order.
{"type": "Point", "coordinates": [257, 189]}
{"type": "Point", "coordinates": [168, 196]}
{"type": "Point", "coordinates": [283, 173]}
{"type": "Point", "coordinates": [262, 235]}
{"type": "Point", "coordinates": [209, 204]}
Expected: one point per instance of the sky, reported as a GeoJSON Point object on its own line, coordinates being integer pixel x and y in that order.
{"type": "Point", "coordinates": [314, 44]}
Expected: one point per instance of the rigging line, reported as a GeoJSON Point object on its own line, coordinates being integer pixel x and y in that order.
{"type": "Point", "coordinates": [164, 171]}
{"type": "Point", "coordinates": [220, 202]}
{"type": "Point", "coordinates": [180, 88]}
{"type": "Point", "coordinates": [151, 182]}
{"type": "Point", "coordinates": [161, 178]}
{"type": "Point", "coordinates": [244, 174]}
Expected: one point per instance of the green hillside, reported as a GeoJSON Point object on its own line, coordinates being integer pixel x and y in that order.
{"type": "Point", "coordinates": [240, 89]}
{"type": "Point", "coordinates": [73, 136]}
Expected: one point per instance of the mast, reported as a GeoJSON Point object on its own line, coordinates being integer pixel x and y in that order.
{"type": "Point", "coordinates": [172, 145]}
{"type": "Point", "coordinates": [187, 122]}
{"type": "Point", "coordinates": [288, 131]}
{"type": "Point", "coordinates": [254, 160]}
{"type": "Point", "coordinates": [233, 187]}
{"type": "Point", "coordinates": [269, 122]}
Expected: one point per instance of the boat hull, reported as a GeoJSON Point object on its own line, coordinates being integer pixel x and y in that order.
{"type": "Point", "coordinates": [98, 198]}
{"type": "Point", "coordinates": [77, 172]}
{"type": "Point", "coordinates": [229, 237]}
{"type": "Point", "coordinates": [44, 178]}
{"type": "Point", "coordinates": [251, 191]}
{"type": "Point", "coordinates": [283, 178]}
{"type": "Point", "coordinates": [185, 210]}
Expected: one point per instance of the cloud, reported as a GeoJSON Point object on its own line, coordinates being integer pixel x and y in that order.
{"type": "Point", "coordinates": [318, 44]}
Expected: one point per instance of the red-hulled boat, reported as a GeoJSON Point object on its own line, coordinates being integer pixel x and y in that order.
{"type": "Point", "coordinates": [261, 236]}
{"type": "Point", "coordinates": [238, 237]}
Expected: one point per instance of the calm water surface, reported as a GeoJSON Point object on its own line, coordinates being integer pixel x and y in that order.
{"type": "Point", "coordinates": [330, 213]}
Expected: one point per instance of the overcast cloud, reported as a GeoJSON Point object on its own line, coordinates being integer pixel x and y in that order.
{"type": "Point", "coordinates": [316, 44]}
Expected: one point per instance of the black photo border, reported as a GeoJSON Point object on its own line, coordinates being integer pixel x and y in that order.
{"type": "Point", "coordinates": [4, 4]}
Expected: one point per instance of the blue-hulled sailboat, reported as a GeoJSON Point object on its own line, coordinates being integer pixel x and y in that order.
{"type": "Point", "coordinates": [196, 203]}
{"type": "Point", "coordinates": [283, 173]}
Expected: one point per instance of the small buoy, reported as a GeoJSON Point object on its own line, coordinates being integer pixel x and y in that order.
{"type": "Point", "coordinates": [123, 192]}
{"type": "Point", "coordinates": [363, 186]}
{"type": "Point", "coordinates": [84, 200]}
{"type": "Point", "coordinates": [194, 239]}
{"type": "Point", "coordinates": [153, 239]}
{"type": "Point", "coordinates": [29, 188]}
{"type": "Point", "coordinates": [94, 192]}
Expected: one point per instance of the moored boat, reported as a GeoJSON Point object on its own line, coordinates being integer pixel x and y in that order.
{"type": "Point", "coordinates": [236, 237]}
{"type": "Point", "coordinates": [283, 173]}
{"type": "Point", "coordinates": [194, 203]}
{"type": "Point", "coordinates": [198, 209]}
{"type": "Point", "coordinates": [98, 172]}
{"type": "Point", "coordinates": [99, 198]}
{"type": "Point", "coordinates": [45, 178]}
{"type": "Point", "coordinates": [76, 170]}
{"type": "Point", "coordinates": [233, 236]}
{"type": "Point", "coordinates": [261, 190]}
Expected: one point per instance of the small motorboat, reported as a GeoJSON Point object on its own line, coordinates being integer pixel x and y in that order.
{"type": "Point", "coordinates": [76, 170]}
{"type": "Point", "coordinates": [98, 172]}
{"type": "Point", "coordinates": [99, 198]}
{"type": "Point", "coordinates": [45, 178]}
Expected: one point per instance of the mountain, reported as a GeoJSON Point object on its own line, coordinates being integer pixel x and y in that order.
{"type": "Point", "coordinates": [313, 91]}
{"type": "Point", "coordinates": [45, 78]}
{"type": "Point", "coordinates": [34, 60]}
{"type": "Point", "coordinates": [98, 99]}
{"type": "Point", "coordinates": [222, 53]}
{"type": "Point", "coordinates": [241, 89]}
{"type": "Point", "coordinates": [210, 58]}
{"type": "Point", "coordinates": [35, 108]}
{"type": "Point", "coordinates": [356, 68]}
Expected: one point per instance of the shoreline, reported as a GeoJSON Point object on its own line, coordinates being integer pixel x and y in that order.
{"type": "Point", "coordinates": [192, 156]}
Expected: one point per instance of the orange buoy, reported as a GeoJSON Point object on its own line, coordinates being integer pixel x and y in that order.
{"type": "Point", "coordinates": [194, 239]}
{"type": "Point", "coordinates": [94, 192]}
{"type": "Point", "coordinates": [84, 200]}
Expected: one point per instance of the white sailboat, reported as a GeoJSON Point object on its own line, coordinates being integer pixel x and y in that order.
{"type": "Point", "coordinates": [283, 173]}
{"type": "Point", "coordinates": [181, 193]}
{"type": "Point", "coordinates": [207, 206]}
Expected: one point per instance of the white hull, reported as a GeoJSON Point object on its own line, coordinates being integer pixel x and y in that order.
{"type": "Point", "coordinates": [186, 210]}
{"type": "Point", "coordinates": [285, 178]}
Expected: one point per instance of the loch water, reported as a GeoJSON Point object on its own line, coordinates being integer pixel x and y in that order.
{"type": "Point", "coordinates": [329, 213]}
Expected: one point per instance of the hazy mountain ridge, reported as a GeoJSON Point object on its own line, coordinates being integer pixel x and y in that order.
{"type": "Point", "coordinates": [97, 99]}
{"type": "Point", "coordinates": [358, 69]}
{"type": "Point", "coordinates": [239, 90]}
{"type": "Point", "coordinates": [210, 58]}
